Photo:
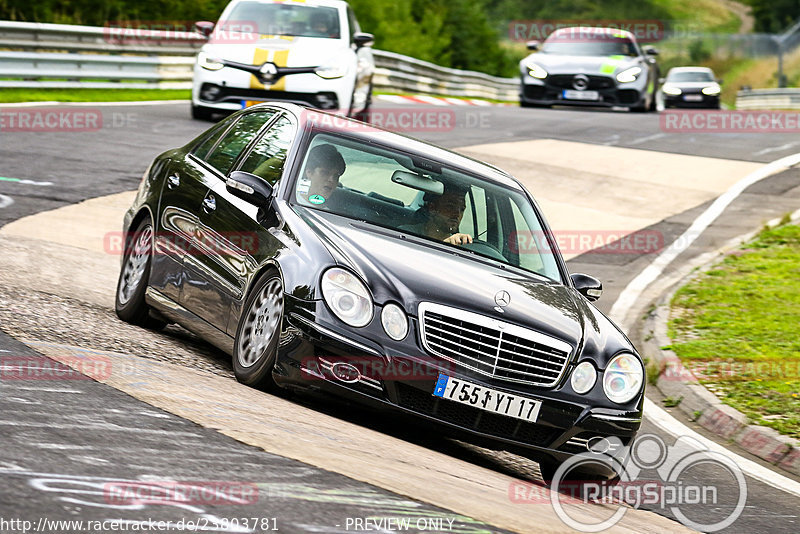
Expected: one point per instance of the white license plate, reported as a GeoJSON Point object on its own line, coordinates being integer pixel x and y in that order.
{"type": "Point", "coordinates": [569, 94]}
{"type": "Point", "coordinates": [488, 399]}
{"type": "Point", "coordinates": [693, 98]}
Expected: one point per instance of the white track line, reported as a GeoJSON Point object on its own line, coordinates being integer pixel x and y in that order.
{"type": "Point", "coordinates": [5, 201]}
{"type": "Point", "coordinates": [636, 287]}
{"type": "Point", "coordinates": [666, 422]}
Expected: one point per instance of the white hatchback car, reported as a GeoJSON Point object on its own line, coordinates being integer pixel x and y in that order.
{"type": "Point", "coordinates": [310, 52]}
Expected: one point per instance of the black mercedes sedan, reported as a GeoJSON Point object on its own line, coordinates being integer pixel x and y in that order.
{"type": "Point", "coordinates": [692, 87]}
{"type": "Point", "coordinates": [330, 256]}
{"type": "Point", "coordinates": [589, 66]}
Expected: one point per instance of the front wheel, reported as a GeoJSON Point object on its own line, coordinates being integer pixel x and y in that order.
{"type": "Point", "coordinates": [130, 302]}
{"type": "Point", "coordinates": [256, 342]}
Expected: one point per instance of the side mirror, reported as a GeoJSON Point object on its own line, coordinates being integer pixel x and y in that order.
{"type": "Point", "coordinates": [650, 51]}
{"type": "Point", "coordinates": [249, 188]}
{"type": "Point", "coordinates": [204, 27]}
{"type": "Point", "coordinates": [662, 80]}
{"type": "Point", "coordinates": [588, 286]}
{"type": "Point", "coordinates": [363, 39]}
{"type": "Point", "coordinates": [533, 45]}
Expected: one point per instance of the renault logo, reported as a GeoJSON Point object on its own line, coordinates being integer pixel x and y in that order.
{"type": "Point", "coordinates": [267, 72]}
{"type": "Point", "coordinates": [580, 82]}
{"type": "Point", "coordinates": [502, 299]}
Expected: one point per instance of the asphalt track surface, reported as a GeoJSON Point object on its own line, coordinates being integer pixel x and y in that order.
{"type": "Point", "coordinates": [65, 168]}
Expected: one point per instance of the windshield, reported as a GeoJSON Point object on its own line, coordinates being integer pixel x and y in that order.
{"type": "Point", "coordinates": [602, 45]}
{"type": "Point", "coordinates": [424, 198]}
{"type": "Point", "coordinates": [690, 77]}
{"type": "Point", "coordinates": [297, 20]}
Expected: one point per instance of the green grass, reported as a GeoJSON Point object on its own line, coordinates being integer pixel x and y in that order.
{"type": "Point", "coordinates": [91, 95]}
{"type": "Point", "coordinates": [737, 327]}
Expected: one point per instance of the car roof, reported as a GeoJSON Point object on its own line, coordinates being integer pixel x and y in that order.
{"type": "Point", "coordinates": [329, 122]}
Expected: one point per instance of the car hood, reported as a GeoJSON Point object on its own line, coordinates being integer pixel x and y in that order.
{"type": "Point", "coordinates": [562, 64]}
{"type": "Point", "coordinates": [410, 272]}
{"type": "Point", "coordinates": [284, 52]}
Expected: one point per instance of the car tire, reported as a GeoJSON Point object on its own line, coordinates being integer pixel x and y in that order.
{"type": "Point", "coordinates": [548, 470]}
{"type": "Point", "coordinates": [257, 335]}
{"type": "Point", "coordinates": [129, 301]}
{"type": "Point", "coordinates": [202, 113]}
{"type": "Point", "coordinates": [362, 115]}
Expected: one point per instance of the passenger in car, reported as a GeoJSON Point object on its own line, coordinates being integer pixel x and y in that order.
{"type": "Point", "coordinates": [440, 216]}
{"type": "Point", "coordinates": [321, 178]}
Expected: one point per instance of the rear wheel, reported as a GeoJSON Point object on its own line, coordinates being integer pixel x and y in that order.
{"type": "Point", "coordinates": [130, 302]}
{"type": "Point", "coordinates": [256, 342]}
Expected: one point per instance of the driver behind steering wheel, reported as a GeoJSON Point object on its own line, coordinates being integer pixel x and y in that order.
{"type": "Point", "coordinates": [440, 216]}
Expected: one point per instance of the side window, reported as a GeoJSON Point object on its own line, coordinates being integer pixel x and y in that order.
{"type": "Point", "coordinates": [236, 139]}
{"type": "Point", "coordinates": [526, 243]}
{"type": "Point", "coordinates": [202, 150]}
{"type": "Point", "coordinates": [269, 153]}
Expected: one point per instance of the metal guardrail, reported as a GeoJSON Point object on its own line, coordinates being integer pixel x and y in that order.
{"type": "Point", "coordinates": [768, 99]}
{"type": "Point", "coordinates": [65, 56]}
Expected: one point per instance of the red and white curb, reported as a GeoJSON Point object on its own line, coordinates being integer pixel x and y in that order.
{"type": "Point", "coordinates": [436, 100]}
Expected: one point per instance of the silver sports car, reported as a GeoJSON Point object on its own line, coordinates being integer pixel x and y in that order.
{"type": "Point", "coordinates": [589, 66]}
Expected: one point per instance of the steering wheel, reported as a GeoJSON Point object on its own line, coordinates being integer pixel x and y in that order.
{"type": "Point", "coordinates": [484, 247]}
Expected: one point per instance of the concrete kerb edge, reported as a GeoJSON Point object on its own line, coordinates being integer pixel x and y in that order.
{"type": "Point", "coordinates": [698, 403]}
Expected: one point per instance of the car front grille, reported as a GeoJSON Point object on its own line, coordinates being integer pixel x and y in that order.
{"type": "Point", "coordinates": [491, 347]}
{"type": "Point", "coordinates": [210, 92]}
{"type": "Point", "coordinates": [473, 418]}
{"type": "Point", "coordinates": [565, 81]}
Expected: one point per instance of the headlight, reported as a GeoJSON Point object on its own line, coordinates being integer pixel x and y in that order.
{"type": "Point", "coordinates": [583, 378]}
{"type": "Point", "coordinates": [629, 75]}
{"type": "Point", "coordinates": [535, 70]}
{"type": "Point", "coordinates": [711, 90]}
{"type": "Point", "coordinates": [349, 299]}
{"type": "Point", "coordinates": [671, 90]}
{"type": "Point", "coordinates": [622, 379]}
{"type": "Point", "coordinates": [209, 63]}
{"type": "Point", "coordinates": [332, 70]}
{"type": "Point", "coordinates": [394, 321]}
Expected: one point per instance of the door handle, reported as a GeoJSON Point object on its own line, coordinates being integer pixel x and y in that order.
{"type": "Point", "coordinates": [209, 203]}
{"type": "Point", "coordinates": [173, 181]}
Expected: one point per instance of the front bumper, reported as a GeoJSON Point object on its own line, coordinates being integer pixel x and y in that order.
{"type": "Point", "coordinates": [311, 357]}
{"type": "Point", "coordinates": [229, 89]}
{"type": "Point", "coordinates": [679, 101]}
{"type": "Point", "coordinates": [550, 91]}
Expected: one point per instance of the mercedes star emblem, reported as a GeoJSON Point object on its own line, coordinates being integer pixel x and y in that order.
{"type": "Point", "coordinates": [580, 82]}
